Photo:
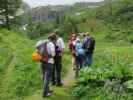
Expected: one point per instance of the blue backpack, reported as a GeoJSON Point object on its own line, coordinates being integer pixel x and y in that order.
{"type": "Point", "coordinates": [79, 48]}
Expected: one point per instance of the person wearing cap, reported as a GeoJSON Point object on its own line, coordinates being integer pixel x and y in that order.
{"type": "Point", "coordinates": [59, 48]}
{"type": "Point", "coordinates": [47, 65]}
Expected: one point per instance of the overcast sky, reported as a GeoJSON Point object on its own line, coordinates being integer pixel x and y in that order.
{"type": "Point", "coordinates": [34, 3]}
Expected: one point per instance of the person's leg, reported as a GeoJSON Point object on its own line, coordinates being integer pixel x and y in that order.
{"type": "Point", "coordinates": [89, 59]}
{"type": "Point", "coordinates": [78, 62]}
{"type": "Point", "coordinates": [58, 70]}
{"type": "Point", "coordinates": [43, 70]}
{"type": "Point", "coordinates": [81, 61]}
{"type": "Point", "coordinates": [53, 74]}
{"type": "Point", "coordinates": [73, 62]}
{"type": "Point", "coordinates": [48, 68]}
{"type": "Point", "coordinates": [86, 60]}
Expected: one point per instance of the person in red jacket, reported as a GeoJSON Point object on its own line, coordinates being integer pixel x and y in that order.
{"type": "Point", "coordinates": [72, 43]}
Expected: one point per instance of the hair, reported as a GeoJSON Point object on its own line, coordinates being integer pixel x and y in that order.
{"type": "Point", "coordinates": [84, 34]}
{"type": "Point", "coordinates": [52, 37]}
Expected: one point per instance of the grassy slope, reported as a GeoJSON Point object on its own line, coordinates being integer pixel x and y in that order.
{"type": "Point", "coordinates": [14, 42]}
{"type": "Point", "coordinates": [17, 80]}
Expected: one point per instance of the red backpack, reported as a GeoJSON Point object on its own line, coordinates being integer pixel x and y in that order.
{"type": "Point", "coordinates": [72, 46]}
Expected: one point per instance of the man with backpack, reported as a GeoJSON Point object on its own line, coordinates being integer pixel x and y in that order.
{"type": "Point", "coordinates": [59, 48]}
{"type": "Point", "coordinates": [89, 46]}
{"type": "Point", "coordinates": [47, 51]}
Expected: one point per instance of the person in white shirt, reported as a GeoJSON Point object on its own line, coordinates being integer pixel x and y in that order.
{"type": "Point", "coordinates": [47, 66]}
{"type": "Point", "coordinates": [59, 48]}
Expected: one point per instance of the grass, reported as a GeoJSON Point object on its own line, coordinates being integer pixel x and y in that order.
{"type": "Point", "coordinates": [24, 75]}
{"type": "Point", "coordinates": [112, 57]}
{"type": "Point", "coordinates": [20, 72]}
{"type": "Point", "coordinates": [63, 93]}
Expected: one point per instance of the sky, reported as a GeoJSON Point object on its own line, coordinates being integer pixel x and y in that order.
{"type": "Point", "coordinates": [35, 3]}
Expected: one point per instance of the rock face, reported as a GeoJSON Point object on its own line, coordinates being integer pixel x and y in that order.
{"type": "Point", "coordinates": [51, 12]}
{"type": "Point", "coordinates": [48, 12]}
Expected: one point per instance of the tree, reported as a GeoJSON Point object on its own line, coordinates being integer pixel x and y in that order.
{"type": "Point", "coordinates": [110, 6]}
{"type": "Point", "coordinates": [8, 8]}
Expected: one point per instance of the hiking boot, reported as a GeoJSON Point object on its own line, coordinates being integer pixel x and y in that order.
{"type": "Point", "coordinates": [47, 95]}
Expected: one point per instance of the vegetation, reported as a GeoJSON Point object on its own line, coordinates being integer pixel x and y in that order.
{"type": "Point", "coordinates": [106, 79]}
{"type": "Point", "coordinates": [109, 78]}
{"type": "Point", "coordinates": [111, 75]}
{"type": "Point", "coordinates": [113, 20]}
{"type": "Point", "coordinates": [17, 69]}
{"type": "Point", "coordinates": [8, 8]}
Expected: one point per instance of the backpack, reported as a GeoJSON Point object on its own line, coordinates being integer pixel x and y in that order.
{"type": "Point", "coordinates": [89, 45]}
{"type": "Point", "coordinates": [92, 45]}
{"type": "Point", "coordinates": [43, 51]}
{"type": "Point", "coordinates": [79, 48]}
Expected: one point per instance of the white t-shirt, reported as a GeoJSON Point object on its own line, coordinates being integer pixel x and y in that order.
{"type": "Point", "coordinates": [60, 43]}
{"type": "Point", "coordinates": [50, 48]}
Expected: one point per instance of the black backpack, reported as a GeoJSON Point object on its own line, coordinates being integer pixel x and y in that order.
{"type": "Point", "coordinates": [89, 46]}
{"type": "Point", "coordinates": [92, 45]}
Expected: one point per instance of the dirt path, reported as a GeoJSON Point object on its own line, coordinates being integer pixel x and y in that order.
{"type": "Point", "coordinates": [60, 93]}
{"type": "Point", "coordinates": [69, 78]}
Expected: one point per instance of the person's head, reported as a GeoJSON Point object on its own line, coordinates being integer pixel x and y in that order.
{"type": "Point", "coordinates": [74, 36]}
{"type": "Point", "coordinates": [52, 37]}
{"type": "Point", "coordinates": [84, 35]}
{"type": "Point", "coordinates": [87, 33]}
{"type": "Point", "coordinates": [77, 39]}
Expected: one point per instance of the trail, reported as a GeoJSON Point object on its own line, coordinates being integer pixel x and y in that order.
{"type": "Point", "coordinates": [69, 78]}
{"type": "Point", "coordinates": [60, 93]}
{"type": "Point", "coordinates": [6, 75]}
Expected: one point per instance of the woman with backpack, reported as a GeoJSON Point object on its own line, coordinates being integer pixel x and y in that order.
{"type": "Point", "coordinates": [79, 53]}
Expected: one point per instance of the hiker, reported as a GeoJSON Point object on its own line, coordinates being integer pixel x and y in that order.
{"type": "Point", "coordinates": [89, 46]}
{"type": "Point", "coordinates": [79, 53]}
{"type": "Point", "coordinates": [72, 43]}
{"type": "Point", "coordinates": [59, 48]}
{"type": "Point", "coordinates": [47, 51]}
